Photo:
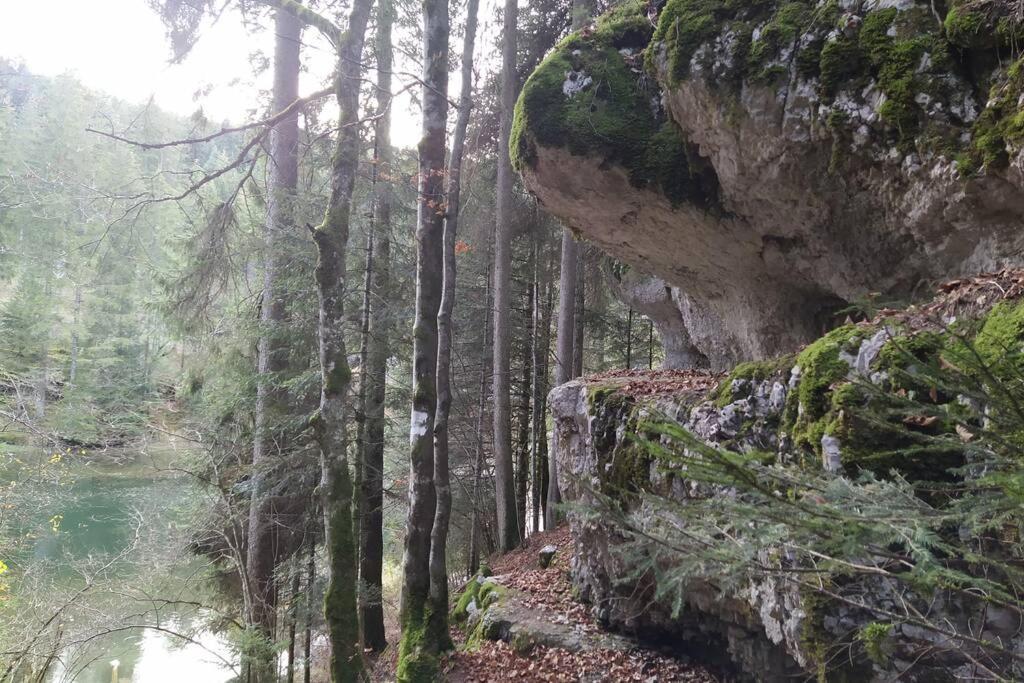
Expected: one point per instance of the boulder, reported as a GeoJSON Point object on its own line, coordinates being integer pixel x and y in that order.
{"type": "Point", "coordinates": [773, 162]}
{"type": "Point", "coordinates": [546, 554]}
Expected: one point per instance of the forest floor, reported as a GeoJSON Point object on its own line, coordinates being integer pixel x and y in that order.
{"type": "Point", "coordinates": [547, 592]}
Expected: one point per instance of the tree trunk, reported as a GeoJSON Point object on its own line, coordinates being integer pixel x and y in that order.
{"type": "Point", "coordinates": [331, 238]}
{"type": "Point", "coordinates": [629, 340]}
{"type": "Point", "coordinates": [442, 483]}
{"type": "Point", "coordinates": [422, 636]}
{"type": "Point", "coordinates": [563, 354]}
{"type": "Point", "coordinates": [364, 350]}
{"type": "Point", "coordinates": [293, 614]}
{"type": "Point", "coordinates": [478, 466]}
{"type": "Point", "coordinates": [650, 344]}
{"type": "Point", "coordinates": [371, 535]}
{"type": "Point", "coordinates": [283, 166]}
{"type": "Point", "coordinates": [523, 419]}
{"type": "Point", "coordinates": [508, 523]}
{"type": "Point", "coordinates": [307, 642]}
{"type": "Point", "coordinates": [577, 337]}
{"type": "Point", "coordinates": [76, 314]}
{"type": "Point", "coordinates": [541, 338]}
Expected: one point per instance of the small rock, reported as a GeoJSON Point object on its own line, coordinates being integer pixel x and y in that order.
{"type": "Point", "coordinates": [547, 553]}
{"type": "Point", "coordinates": [831, 453]}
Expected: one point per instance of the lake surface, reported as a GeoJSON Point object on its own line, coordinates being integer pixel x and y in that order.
{"type": "Point", "coordinates": [108, 555]}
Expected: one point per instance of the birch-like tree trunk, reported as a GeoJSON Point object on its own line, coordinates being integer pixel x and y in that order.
{"type": "Point", "coordinates": [371, 534]}
{"type": "Point", "coordinates": [331, 239]}
{"type": "Point", "coordinates": [504, 486]}
{"type": "Point", "coordinates": [442, 483]}
{"type": "Point", "coordinates": [422, 639]}
{"type": "Point", "coordinates": [283, 174]}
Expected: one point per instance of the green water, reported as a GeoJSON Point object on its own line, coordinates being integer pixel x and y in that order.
{"type": "Point", "coordinates": [104, 546]}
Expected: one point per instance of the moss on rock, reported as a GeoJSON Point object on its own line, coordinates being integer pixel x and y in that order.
{"type": "Point", "coordinates": [624, 462]}
{"type": "Point", "coordinates": [461, 610]}
{"type": "Point", "coordinates": [983, 25]}
{"type": "Point", "coordinates": [809, 411]}
{"type": "Point", "coordinates": [752, 371]}
{"type": "Point", "coordinates": [590, 95]}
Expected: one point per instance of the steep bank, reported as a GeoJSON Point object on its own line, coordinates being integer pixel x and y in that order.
{"type": "Point", "coordinates": [774, 161]}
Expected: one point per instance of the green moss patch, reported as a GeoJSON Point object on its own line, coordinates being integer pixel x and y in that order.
{"type": "Point", "coordinates": [753, 371]}
{"type": "Point", "coordinates": [461, 610]}
{"type": "Point", "coordinates": [907, 54]}
{"type": "Point", "coordinates": [1000, 126]}
{"type": "Point", "coordinates": [590, 95]}
{"type": "Point", "coordinates": [983, 25]}
{"type": "Point", "coordinates": [809, 407]}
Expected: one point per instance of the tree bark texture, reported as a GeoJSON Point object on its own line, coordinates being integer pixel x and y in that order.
{"type": "Point", "coordinates": [442, 479]}
{"type": "Point", "coordinates": [371, 535]}
{"type": "Point", "coordinates": [283, 174]}
{"type": "Point", "coordinates": [505, 499]}
{"type": "Point", "coordinates": [331, 239]}
{"type": "Point", "coordinates": [422, 639]}
{"type": "Point", "coordinates": [478, 466]}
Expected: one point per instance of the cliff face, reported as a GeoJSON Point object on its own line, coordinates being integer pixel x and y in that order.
{"type": "Point", "coordinates": [774, 161]}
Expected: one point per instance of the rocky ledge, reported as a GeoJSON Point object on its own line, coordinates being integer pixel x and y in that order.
{"type": "Point", "coordinates": [827, 408]}
{"type": "Point", "coordinates": [773, 161]}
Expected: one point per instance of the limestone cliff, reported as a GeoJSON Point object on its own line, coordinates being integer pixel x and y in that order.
{"type": "Point", "coordinates": [773, 161]}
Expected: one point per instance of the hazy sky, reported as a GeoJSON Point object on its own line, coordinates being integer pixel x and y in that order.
{"type": "Point", "coordinates": [119, 47]}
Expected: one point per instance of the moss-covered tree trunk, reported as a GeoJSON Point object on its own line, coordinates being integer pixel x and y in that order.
{"type": "Point", "coordinates": [422, 639]}
{"type": "Point", "coordinates": [283, 174]}
{"type": "Point", "coordinates": [371, 536]}
{"type": "Point", "coordinates": [331, 239]}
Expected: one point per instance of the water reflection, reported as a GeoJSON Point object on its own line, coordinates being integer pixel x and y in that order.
{"type": "Point", "coordinates": [149, 656]}
{"type": "Point", "coordinates": [117, 530]}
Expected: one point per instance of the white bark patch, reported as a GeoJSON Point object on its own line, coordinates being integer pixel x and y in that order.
{"type": "Point", "coordinates": [417, 426]}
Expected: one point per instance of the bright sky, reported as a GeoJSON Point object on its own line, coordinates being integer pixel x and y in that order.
{"type": "Point", "coordinates": [120, 47]}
